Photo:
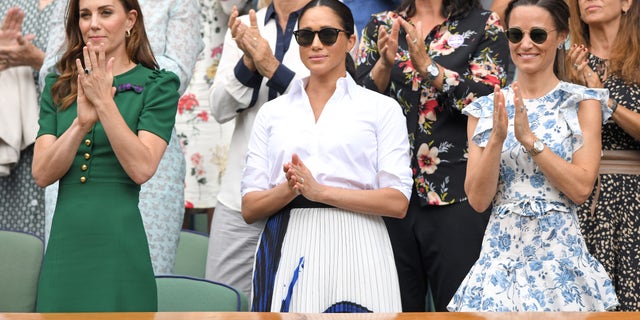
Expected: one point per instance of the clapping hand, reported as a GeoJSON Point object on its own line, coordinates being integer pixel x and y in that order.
{"type": "Point", "coordinates": [388, 43]}
{"type": "Point", "coordinates": [521, 127]}
{"type": "Point", "coordinates": [95, 83]}
{"type": "Point", "coordinates": [500, 117]}
{"type": "Point", "coordinates": [17, 49]}
{"type": "Point", "coordinates": [257, 52]}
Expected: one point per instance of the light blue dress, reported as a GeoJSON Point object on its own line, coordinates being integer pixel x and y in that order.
{"type": "Point", "coordinates": [533, 255]}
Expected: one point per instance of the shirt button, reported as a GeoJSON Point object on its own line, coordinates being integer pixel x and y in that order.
{"type": "Point", "coordinates": [83, 179]}
{"type": "Point", "coordinates": [87, 156]}
{"type": "Point", "coordinates": [84, 167]}
{"type": "Point", "coordinates": [87, 142]}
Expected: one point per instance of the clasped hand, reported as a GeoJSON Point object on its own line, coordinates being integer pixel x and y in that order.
{"type": "Point", "coordinates": [299, 178]}
{"type": "Point", "coordinates": [95, 83]}
{"type": "Point", "coordinates": [580, 67]}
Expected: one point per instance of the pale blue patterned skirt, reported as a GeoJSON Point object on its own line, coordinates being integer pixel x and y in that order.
{"type": "Point", "coordinates": [535, 264]}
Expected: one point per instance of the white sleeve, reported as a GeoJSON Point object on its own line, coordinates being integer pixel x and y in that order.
{"type": "Point", "coordinates": [255, 176]}
{"type": "Point", "coordinates": [394, 162]}
{"type": "Point", "coordinates": [227, 94]}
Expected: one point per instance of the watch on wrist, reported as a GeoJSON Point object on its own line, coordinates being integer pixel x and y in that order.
{"type": "Point", "coordinates": [538, 146]}
{"type": "Point", "coordinates": [433, 71]}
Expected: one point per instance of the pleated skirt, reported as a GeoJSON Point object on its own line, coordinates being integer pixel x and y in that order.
{"type": "Point", "coordinates": [325, 260]}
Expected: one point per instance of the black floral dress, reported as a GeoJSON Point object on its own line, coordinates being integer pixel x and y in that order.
{"type": "Point", "coordinates": [474, 54]}
{"type": "Point", "coordinates": [611, 231]}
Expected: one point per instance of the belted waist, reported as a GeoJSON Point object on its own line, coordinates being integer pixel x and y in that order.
{"type": "Point", "coordinates": [620, 162]}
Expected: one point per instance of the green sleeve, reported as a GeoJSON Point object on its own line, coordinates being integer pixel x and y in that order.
{"type": "Point", "coordinates": [48, 120]}
{"type": "Point", "coordinates": [158, 114]}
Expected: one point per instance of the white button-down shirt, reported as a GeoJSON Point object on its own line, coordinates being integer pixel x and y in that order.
{"type": "Point", "coordinates": [359, 141]}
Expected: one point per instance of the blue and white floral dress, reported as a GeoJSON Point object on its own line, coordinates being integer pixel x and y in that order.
{"type": "Point", "coordinates": [533, 255]}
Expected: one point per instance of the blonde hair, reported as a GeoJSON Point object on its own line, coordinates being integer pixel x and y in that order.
{"type": "Point", "coordinates": [264, 3]}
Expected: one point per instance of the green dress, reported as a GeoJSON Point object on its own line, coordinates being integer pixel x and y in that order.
{"type": "Point", "coordinates": [97, 258]}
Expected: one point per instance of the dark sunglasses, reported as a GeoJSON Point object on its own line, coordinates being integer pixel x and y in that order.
{"type": "Point", "coordinates": [328, 36]}
{"type": "Point", "coordinates": [537, 35]}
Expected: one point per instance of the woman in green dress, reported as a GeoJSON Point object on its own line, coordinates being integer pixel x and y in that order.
{"type": "Point", "coordinates": [104, 124]}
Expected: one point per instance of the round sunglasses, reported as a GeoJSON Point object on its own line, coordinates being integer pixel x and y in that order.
{"type": "Point", "coordinates": [328, 36]}
{"type": "Point", "coordinates": [537, 35]}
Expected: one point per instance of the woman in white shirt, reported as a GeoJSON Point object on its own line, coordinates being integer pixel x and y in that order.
{"type": "Point", "coordinates": [325, 163]}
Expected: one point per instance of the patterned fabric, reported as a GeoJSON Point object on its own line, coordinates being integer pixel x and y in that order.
{"type": "Point", "coordinates": [533, 256]}
{"type": "Point", "coordinates": [21, 200]}
{"type": "Point", "coordinates": [611, 233]}
{"type": "Point", "coordinates": [204, 141]}
{"type": "Point", "coordinates": [474, 54]}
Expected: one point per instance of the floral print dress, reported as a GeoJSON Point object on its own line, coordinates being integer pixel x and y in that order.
{"type": "Point", "coordinates": [533, 255]}
{"type": "Point", "coordinates": [474, 54]}
{"type": "Point", "coordinates": [204, 141]}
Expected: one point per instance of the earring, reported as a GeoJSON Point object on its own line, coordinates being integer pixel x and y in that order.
{"type": "Point", "coordinates": [127, 33]}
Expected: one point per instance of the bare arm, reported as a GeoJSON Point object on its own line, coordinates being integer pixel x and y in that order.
{"type": "Point", "coordinates": [575, 179]}
{"type": "Point", "coordinates": [138, 153]}
{"type": "Point", "coordinates": [52, 156]}
{"type": "Point", "coordinates": [628, 120]}
{"type": "Point", "coordinates": [483, 165]}
{"type": "Point", "coordinates": [257, 205]}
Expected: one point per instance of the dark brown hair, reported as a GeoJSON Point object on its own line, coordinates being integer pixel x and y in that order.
{"type": "Point", "coordinates": [450, 8]}
{"type": "Point", "coordinates": [65, 91]}
{"type": "Point", "coordinates": [346, 22]}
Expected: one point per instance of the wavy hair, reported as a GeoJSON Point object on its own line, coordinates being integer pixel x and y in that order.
{"type": "Point", "coordinates": [624, 61]}
{"type": "Point", "coordinates": [346, 22]}
{"type": "Point", "coordinates": [560, 13]}
{"type": "Point", "coordinates": [65, 89]}
{"type": "Point", "coordinates": [450, 8]}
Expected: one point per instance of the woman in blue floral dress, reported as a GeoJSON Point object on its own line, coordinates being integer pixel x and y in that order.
{"type": "Point", "coordinates": [534, 155]}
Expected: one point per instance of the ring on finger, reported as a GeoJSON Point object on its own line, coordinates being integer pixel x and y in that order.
{"type": "Point", "coordinates": [522, 108]}
{"type": "Point", "coordinates": [87, 71]}
{"type": "Point", "coordinates": [575, 66]}
{"type": "Point", "coordinates": [414, 41]}
{"type": "Point", "coordinates": [301, 180]}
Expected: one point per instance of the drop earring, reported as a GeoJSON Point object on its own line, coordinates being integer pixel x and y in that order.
{"type": "Point", "coordinates": [127, 33]}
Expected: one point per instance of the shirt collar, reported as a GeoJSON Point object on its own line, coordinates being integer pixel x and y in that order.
{"type": "Point", "coordinates": [272, 14]}
{"type": "Point", "coordinates": [344, 86]}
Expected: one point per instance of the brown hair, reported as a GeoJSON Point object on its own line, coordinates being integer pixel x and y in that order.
{"type": "Point", "coordinates": [65, 91]}
{"type": "Point", "coordinates": [624, 60]}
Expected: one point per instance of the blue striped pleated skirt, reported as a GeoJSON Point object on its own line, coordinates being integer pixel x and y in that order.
{"type": "Point", "coordinates": [324, 259]}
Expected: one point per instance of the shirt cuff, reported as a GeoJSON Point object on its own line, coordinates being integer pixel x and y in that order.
{"type": "Point", "coordinates": [281, 79]}
{"type": "Point", "coordinates": [247, 77]}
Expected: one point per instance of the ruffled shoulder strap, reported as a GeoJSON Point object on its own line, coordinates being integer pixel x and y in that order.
{"type": "Point", "coordinates": [571, 96]}
{"type": "Point", "coordinates": [481, 108]}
